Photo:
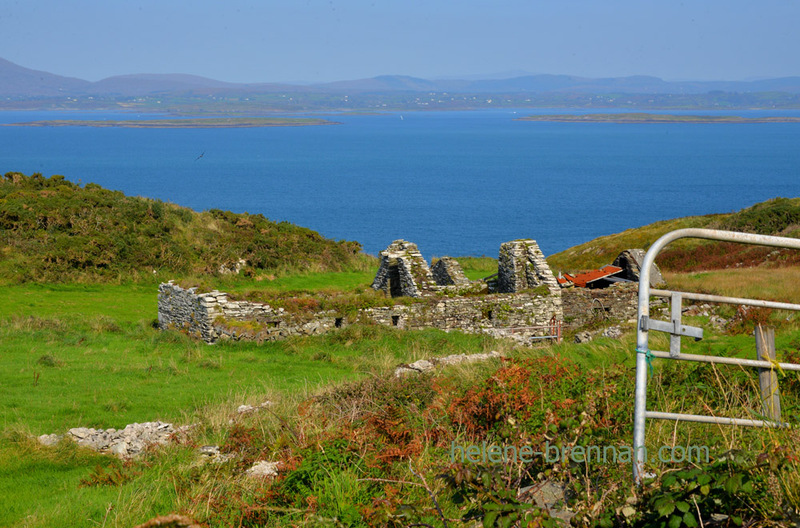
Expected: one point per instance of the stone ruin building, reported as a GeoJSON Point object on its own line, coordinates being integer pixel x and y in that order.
{"type": "Point", "coordinates": [522, 266]}
{"type": "Point", "coordinates": [403, 272]}
{"type": "Point", "coordinates": [523, 301]}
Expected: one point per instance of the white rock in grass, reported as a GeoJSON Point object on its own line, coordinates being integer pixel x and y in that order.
{"type": "Point", "coordinates": [50, 440]}
{"type": "Point", "coordinates": [263, 469]}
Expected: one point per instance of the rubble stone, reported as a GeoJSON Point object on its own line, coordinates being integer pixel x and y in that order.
{"type": "Point", "coordinates": [263, 469]}
{"type": "Point", "coordinates": [426, 365]}
{"type": "Point", "coordinates": [125, 443]}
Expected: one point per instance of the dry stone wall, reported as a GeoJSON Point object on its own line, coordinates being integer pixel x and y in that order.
{"type": "Point", "coordinates": [529, 301]}
{"type": "Point", "coordinates": [522, 266]}
{"type": "Point", "coordinates": [212, 316]}
{"type": "Point", "coordinates": [631, 261]}
{"type": "Point", "coordinates": [585, 305]}
{"type": "Point", "coordinates": [524, 315]}
{"type": "Point", "coordinates": [403, 272]}
{"type": "Point", "coordinates": [447, 272]}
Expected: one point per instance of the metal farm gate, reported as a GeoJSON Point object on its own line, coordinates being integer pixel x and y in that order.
{"type": "Point", "coordinates": [766, 362]}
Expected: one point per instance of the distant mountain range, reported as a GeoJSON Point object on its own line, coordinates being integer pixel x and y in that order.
{"type": "Point", "coordinates": [20, 82]}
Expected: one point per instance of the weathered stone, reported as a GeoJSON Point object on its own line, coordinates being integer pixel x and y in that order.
{"type": "Point", "coordinates": [447, 271]}
{"type": "Point", "coordinates": [525, 314]}
{"type": "Point", "coordinates": [403, 272]}
{"type": "Point", "coordinates": [209, 450]}
{"type": "Point", "coordinates": [425, 365]}
{"type": "Point", "coordinates": [120, 449]}
{"type": "Point", "coordinates": [528, 313]}
{"type": "Point", "coordinates": [50, 439]}
{"type": "Point", "coordinates": [718, 323]}
{"type": "Point", "coordinates": [582, 306]}
{"type": "Point", "coordinates": [247, 409]}
{"type": "Point", "coordinates": [521, 266]}
{"type": "Point", "coordinates": [232, 268]}
{"type": "Point", "coordinates": [125, 443]}
{"type": "Point", "coordinates": [631, 261]}
{"type": "Point", "coordinates": [583, 337]}
{"type": "Point", "coordinates": [550, 496]}
{"type": "Point", "coordinates": [613, 332]}
{"type": "Point", "coordinates": [263, 469]}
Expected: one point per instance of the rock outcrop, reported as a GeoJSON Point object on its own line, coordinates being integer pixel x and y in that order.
{"type": "Point", "coordinates": [631, 261]}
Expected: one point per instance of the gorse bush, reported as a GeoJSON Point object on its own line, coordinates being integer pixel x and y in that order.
{"type": "Point", "coordinates": [55, 230]}
{"type": "Point", "coordinates": [767, 218]}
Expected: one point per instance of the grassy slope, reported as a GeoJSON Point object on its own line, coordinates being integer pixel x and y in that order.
{"type": "Point", "coordinates": [347, 435]}
{"type": "Point", "coordinates": [105, 366]}
{"type": "Point", "coordinates": [138, 373]}
{"type": "Point", "coordinates": [780, 216]}
{"type": "Point", "coordinates": [52, 230]}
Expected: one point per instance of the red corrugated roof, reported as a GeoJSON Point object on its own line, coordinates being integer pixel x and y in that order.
{"type": "Point", "coordinates": [581, 280]}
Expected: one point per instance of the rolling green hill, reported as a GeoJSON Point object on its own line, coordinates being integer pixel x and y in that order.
{"type": "Point", "coordinates": [52, 230]}
{"type": "Point", "coordinates": [779, 216]}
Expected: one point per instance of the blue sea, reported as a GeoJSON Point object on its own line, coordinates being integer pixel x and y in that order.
{"type": "Point", "coordinates": [456, 183]}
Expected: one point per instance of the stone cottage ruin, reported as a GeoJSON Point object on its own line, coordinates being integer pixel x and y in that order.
{"type": "Point", "coordinates": [522, 300]}
{"type": "Point", "coordinates": [404, 272]}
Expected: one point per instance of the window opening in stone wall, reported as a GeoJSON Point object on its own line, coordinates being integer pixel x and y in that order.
{"type": "Point", "coordinates": [338, 322]}
{"type": "Point", "coordinates": [395, 320]}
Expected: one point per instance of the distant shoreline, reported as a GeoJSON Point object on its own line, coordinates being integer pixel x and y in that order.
{"type": "Point", "coordinates": [654, 118]}
{"type": "Point", "coordinates": [214, 122]}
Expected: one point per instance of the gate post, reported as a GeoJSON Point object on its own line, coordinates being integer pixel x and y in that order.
{"type": "Point", "coordinates": [767, 378]}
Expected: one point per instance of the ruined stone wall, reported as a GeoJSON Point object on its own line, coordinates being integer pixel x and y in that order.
{"type": "Point", "coordinates": [496, 314]}
{"type": "Point", "coordinates": [212, 317]}
{"type": "Point", "coordinates": [403, 272]}
{"type": "Point", "coordinates": [186, 310]}
{"type": "Point", "coordinates": [521, 265]}
{"type": "Point", "coordinates": [584, 305]}
{"type": "Point", "coordinates": [447, 272]}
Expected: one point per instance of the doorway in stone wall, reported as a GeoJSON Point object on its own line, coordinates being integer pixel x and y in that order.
{"type": "Point", "coordinates": [395, 288]}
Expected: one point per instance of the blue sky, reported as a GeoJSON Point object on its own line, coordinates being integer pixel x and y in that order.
{"type": "Point", "coordinates": [326, 40]}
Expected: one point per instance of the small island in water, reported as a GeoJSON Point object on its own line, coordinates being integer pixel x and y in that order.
{"type": "Point", "coordinates": [211, 122]}
{"type": "Point", "coordinates": [655, 118]}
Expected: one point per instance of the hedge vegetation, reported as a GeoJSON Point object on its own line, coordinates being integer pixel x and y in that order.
{"type": "Point", "coordinates": [53, 230]}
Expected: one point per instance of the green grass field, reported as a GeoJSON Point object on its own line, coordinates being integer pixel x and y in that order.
{"type": "Point", "coordinates": [115, 368]}
{"type": "Point", "coordinates": [89, 356]}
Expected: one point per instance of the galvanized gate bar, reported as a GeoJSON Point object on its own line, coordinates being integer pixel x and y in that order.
{"type": "Point", "coordinates": [725, 360]}
{"type": "Point", "coordinates": [727, 300]}
{"type": "Point", "coordinates": [643, 354]}
{"type": "Point", "coordinates": [709, 419]}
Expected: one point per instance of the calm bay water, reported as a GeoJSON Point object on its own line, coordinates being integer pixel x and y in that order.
{"type": "Point", "coordinates": [456, 183]}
